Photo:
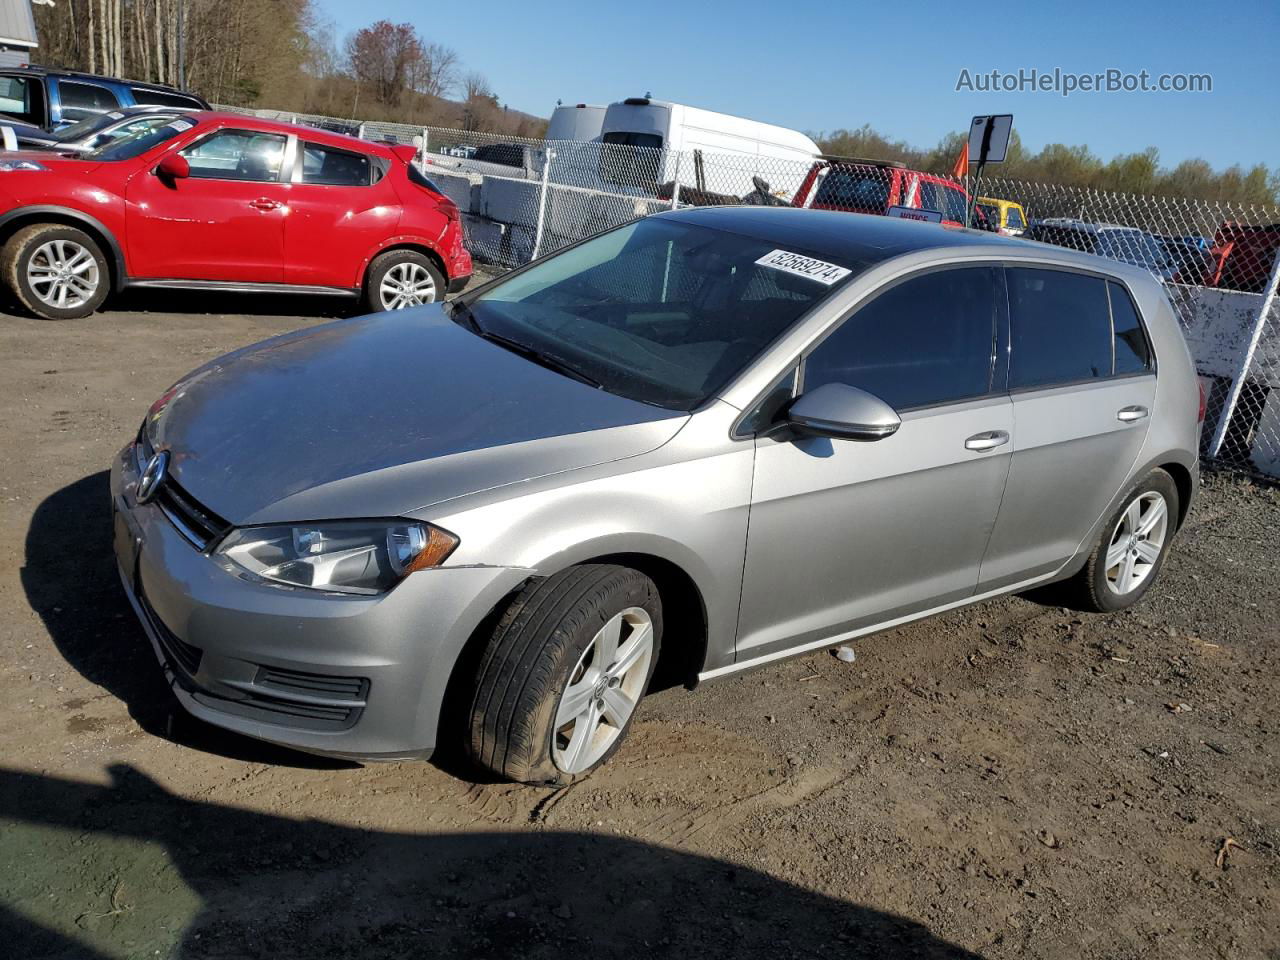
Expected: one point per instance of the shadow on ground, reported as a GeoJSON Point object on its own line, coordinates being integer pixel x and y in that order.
{"type": "Point", "coordinates": [131, 868]}
{"type": "Point", "coordinates": [70, 579]}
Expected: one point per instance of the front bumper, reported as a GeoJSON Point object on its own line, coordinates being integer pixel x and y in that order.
{"type": "Point", "coordinates": [355, 677]}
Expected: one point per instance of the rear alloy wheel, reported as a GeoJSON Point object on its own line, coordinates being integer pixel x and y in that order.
{"type": "Point", "coordinates": [399, 279]}
{"type": "Point", "coordinates": [57, 272]}
{"type": "Point", "coordinates": [558, 685]}
{"type": "Point", "coordinates": [1132, 548]}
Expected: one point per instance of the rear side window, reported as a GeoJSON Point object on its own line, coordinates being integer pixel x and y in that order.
{"type": "Point", "coordinates": [333, 167]}
{"type": "Point", "coordinates": [1060, 324]}
{"type": "Point", "coordinates": [23, 99]}
{"type": "Point", "coordinates": [944, 199]}
{"type": "Point", "coordinates": [928, 340]}
{"type": "Point", "coordinates": [1133, 352]}
{"type": "Point", "coordinates": [163, 98]}
{"type": "Point", "coordinates": [80, 100]}
{"type": "Point", "coordinates": [1013, 217]}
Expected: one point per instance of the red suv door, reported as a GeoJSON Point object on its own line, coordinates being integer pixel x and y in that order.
{"type": "Point", "coordinates": [341, 206]}
{"type": "Point", "coordinates": [223, 222]}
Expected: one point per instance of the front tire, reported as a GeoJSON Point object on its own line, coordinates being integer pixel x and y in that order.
{"type": "Point", "coordinates": [560, 680]}
{"type": "Point", "coordinates": [399, 279]}
{"type": "Point", "coordinates": [1132, 547]}
{"type": "Point", "coordinates": [56, 272]}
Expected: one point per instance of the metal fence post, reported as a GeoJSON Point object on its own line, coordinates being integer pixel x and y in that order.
{"type": "Point", "coordinates": [542, 204]}
{"type": "Point", "coordinates": [1229, 408]}
{"type": "Point", "coordinates": [675, 183]}
{"type": "Point", "coordinates": [360, 132]}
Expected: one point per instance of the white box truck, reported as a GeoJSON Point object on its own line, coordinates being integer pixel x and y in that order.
{"type": "Point", "coordinates": [704, 151]}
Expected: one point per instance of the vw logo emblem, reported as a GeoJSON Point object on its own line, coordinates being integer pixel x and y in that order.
{"type": "Point", "coordinates": [153, 476]}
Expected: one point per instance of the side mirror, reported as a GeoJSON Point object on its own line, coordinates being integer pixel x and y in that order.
{"type": "Point", "coordinates": [174, 166]}
{"type": "Point", "coordinates": [842, 412]}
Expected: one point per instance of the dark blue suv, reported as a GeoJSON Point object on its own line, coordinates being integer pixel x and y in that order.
{"type": "Point", "coordinates": [49, 98]}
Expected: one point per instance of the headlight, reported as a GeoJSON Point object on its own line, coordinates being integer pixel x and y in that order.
{"type": "Point", "coordinates": [357, 556]}
{"type": "Point", "coordinates": [13, 166]}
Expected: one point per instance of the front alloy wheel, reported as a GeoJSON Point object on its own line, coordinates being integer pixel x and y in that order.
{"type": "Point", "coordinates": [56, 271]}
{"type": "Point", "coordinates": [603, 691]}
{"type": "Point", "coordinates": [558, 682]}
{"type": "Point", "coordinates": [63, 274]}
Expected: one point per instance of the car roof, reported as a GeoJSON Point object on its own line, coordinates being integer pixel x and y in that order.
{"type": "Point", "coordinates": [244, 121]}
{"type": "Point", "coordinates": [38, 70]}
{"type": "Point", "coordinates": [868, 239]}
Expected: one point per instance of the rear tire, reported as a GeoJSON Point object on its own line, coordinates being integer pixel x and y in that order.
{"type": "Point", "coordinates": [554, 695]}
{"type": "Point", "coordinates": [1131, 549]}
{"type": "Point", "coordinates": [399, 279]}
{"type": "Point", "coordinates": [55, 271]}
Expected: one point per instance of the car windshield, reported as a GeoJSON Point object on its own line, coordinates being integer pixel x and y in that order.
{"type": "Point", "coordinates": [136, 144]}
{"type": "Point", "coordinates": [660, 311]}
{"type": "Point", "coordinates": [82, 128]}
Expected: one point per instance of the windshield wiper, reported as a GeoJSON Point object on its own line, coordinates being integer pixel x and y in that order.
{"type": "Point", "coordinates": [462, 314]}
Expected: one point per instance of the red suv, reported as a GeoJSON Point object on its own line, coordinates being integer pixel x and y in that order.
{"type": "Point", "coordinates": [215, 201]}
{"type": "Point", "coordinates": [873, 186]}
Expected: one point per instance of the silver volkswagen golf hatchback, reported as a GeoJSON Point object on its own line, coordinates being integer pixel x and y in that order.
{"type": "Point", "coordinates": [692, 445]}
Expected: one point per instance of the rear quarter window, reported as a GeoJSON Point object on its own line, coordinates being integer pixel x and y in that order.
{"type": "Point", "coordinates": [80, 100]}
{"type": "Point", "coordinates": [163, 98]}
{"type": "Point", "coordinates": [1133, 350]}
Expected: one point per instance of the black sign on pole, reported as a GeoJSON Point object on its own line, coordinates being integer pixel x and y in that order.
{"type": "Point", "coordinates": [988, 143]}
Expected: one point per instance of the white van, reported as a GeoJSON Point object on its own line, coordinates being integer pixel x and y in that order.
{"type": "Point", "coordinates": [709, 152]}
{"type": "Point", "coordinates": [582, 121]}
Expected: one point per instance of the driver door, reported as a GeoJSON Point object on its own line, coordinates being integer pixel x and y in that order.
{"type": "Point", "coordinates": [225, 222]}
{"type": "Point", "coordinates": [846, 534]}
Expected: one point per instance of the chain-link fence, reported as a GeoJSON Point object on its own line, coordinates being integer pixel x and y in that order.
{"type": "Point", "coordinates": [1217, 259]}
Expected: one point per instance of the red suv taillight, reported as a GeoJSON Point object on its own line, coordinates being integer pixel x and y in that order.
{"type": "Point", "coordinates": [1204, 401]}
{"type": "Point", "coordinates": [449, 209]}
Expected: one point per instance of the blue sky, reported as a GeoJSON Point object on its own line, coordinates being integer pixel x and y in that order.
{"type": "Point", "coordinates": [819, 66]}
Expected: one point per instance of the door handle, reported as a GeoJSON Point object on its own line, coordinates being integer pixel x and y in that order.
{"type": "Point", "coordinates": [1131, 414]}
{"type": "Point", "coordinates": [988, 440]}
{"type": "Point", "coordinates": [263, 203]}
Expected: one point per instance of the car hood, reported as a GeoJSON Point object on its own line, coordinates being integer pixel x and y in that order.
{"type": "Point", "coordinates": [380, 416]}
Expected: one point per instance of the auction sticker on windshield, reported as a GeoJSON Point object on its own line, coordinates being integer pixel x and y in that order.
{"type": "Point", "coordinates": [801, 266]}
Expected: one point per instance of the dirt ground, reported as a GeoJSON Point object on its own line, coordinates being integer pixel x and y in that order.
{"type": "Point", "coordinates": [1011, 780]}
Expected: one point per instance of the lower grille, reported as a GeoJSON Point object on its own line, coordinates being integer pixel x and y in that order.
{"type": "Point", "coordinates": [182, 658]}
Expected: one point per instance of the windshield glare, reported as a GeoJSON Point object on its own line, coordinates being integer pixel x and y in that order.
{"type": "Point", "coordinates": [138, 143]}
{"type": "Point", "coordinates": [660, 311]}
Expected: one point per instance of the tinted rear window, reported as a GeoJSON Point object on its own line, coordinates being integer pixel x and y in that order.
{"type": "Point", "coordinates": [854, 189]}
{"type": "Point", "coordinates": [80, 100]}
{"type": "Point", "coordinates": [1061, 327]}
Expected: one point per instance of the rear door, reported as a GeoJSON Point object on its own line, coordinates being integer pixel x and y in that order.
{"type": "Point", "coordinates": [341, 206]}
{"type": "Point", "coordinates": [845, 535]}
{"type": "Point", "coordinates": [225, 222]}
{"type": "Point", "coordinates": [1082, 383]}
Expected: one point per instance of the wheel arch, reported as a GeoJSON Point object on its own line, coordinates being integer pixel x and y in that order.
{"type": "Point", "coordinates": [416, 244]}
{"type": "Point", "coordinates": [1185, 482]}
{"type": "Point", "coordinates": [15, 220]}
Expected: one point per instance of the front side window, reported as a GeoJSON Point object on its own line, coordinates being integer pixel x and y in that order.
{"type": "Point", "coordinates": [925, 341]}
{"type": "Point", "coordinates": [237, 155]}
{"type": "Point", "coordinates": [1013, 217]}
{"type": "Point", "coordinates": [81, 100]}
{"type": "Point", "coordinates": [330, 166]}
{"type": "Point", "coordinates": [1133, 352]}
{"type": "Point", "coordinates": [661, 311]}
{"type": "Point", "coordinates": [1060, 325]}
